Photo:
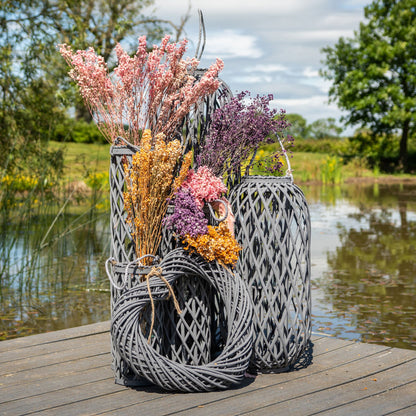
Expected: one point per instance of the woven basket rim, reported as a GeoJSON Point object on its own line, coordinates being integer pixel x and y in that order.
{"type": "Point", "coordinates": [257, 178]}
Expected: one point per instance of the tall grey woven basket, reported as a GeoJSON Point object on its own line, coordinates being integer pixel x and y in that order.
{"type": "Point", "coordinates": [185, 338]}
{"type": "Point", "coordinates": [272, 224]}
{"type": "Point", "coordinates": [196, 335]}
{"type": "Point", "coordinates": [122, 252]}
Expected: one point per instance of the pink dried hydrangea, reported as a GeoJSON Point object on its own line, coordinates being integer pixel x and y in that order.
{"type": "Point", "coordinates": [204, 185]}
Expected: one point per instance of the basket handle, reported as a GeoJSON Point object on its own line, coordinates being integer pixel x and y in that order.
{"type": "Point", "coordinates": [289, 168]}
{"type": "Point", "coordinates": [212, 212]}
{"type": "Point", "coordinates": [111, 260]}
{"type": "Point", "coordinates": [120, 140]}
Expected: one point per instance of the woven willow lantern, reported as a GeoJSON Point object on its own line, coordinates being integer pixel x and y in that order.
{"type": "Point", "coordinates": [184, 338]}
{"type": "Point", "coordinates": [199, 333]}
{"type": "Point", "coordinates": [273, 226]}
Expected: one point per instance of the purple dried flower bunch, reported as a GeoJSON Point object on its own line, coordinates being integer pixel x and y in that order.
{"type": "Point", "coordinates": [236, 132]}
{"type": "Point", "coordinates": [198, 188]}
{"type": "Point", "coordinates": [187, 217]}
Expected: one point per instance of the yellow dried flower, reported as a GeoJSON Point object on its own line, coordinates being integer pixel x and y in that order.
{"type": "Point", "coordinates": [218, 244]}
{"type": "Point", "coordinates": [149, 183]}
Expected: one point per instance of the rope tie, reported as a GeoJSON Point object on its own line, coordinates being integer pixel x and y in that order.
{"type": "Point", "coordinates": [157, 271]}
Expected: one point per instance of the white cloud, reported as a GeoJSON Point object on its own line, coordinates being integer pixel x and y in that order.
{"type": "Point", "coordinates": [323, 35]}
{"type": "Point", "coordinates": [301, 102]}
{"type": "Point", "coordinates": [230, 44]}
{"type": "Point", "coordinates": [272, 46]}
{"type": "Point", "coordinates": [308, 72]}
{"type": "Point", "coordinates": [312, 108]}
{"type": "Point", "coordinates": [252, 79]}
{"type": "Point", "coordinates": [266, 68]}
{"type": "Point", "coordinates": [235, 7]}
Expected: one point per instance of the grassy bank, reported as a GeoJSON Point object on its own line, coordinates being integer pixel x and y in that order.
{"type": "Point", "coordinates": [83, 159]}
{"type": "Point", "coordinates": [89, 163]}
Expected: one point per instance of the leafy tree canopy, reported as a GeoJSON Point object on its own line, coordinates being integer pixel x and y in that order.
{"type": "Point", "coordinates": [373, 74]}
{"type": "Point", "coordinates": [322, 128]}
{"type": "Point", "coordinates": [298, 125]}
{"type": "Point", "coordinates": [35, 89]}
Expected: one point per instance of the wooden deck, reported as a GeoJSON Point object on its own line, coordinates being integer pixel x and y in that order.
{"type": "Point", "coordinates": [68, 373]}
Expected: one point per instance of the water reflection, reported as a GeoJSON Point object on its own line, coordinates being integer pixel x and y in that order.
{"type": "Point", "coordinates": [54, 282]}
{"type": "Point", "coordinates": [363, 266]}
{"type": "Point", "coordinates": [365, 284]}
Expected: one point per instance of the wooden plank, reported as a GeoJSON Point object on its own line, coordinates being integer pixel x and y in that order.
{"type": "Point", "coordinates": [69, 374]}
{"type": "Point", "coordinates": [54, 400]}
{"type": "Point", "coordinates": [405, 411]}
{"type": "Point", "coordinates": [271, 389]}
{"type": "Point", "coordinates": [55, 336]}
{"type": "Point", "coordinates": [55, 370]}
{"type": "Point", "coordinates": [402, 397]}
{"type": "Point", "coordinates": [13, 356]}
{"type": "Point", "coordinates": [57, 357]}
{"type": "Point", "coordinates": [19, 391]}
{"type": "Point", "coordinates": [47, 386]}
{"type": "Point", "coordinates": [101, 404]}
{"type": "Point", "coordinates": [337, 399]}
{"type": "Point", "coordinates": [134, 403]}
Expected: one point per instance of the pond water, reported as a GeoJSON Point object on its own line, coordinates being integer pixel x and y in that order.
{"type": "Point", "coordinates": [364, 262]}
{"type": "Point", "coordinates": [363, 266]}
{"type": "Point", "coordinates": [52, 272]}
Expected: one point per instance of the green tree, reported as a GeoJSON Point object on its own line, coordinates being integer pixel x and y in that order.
{"type": "Point", "coordinates": [373, 74]}
{"type": "Point", "coordinates": [298, 126]}
{"type": "Point", "coordinates": [28, 106]}
{"type": "Point", "coordinates": [324, 128]}
{"type": "Point", "coordinates": [35, 89]}
{"type": "Point", "coordinates": [100, 24]}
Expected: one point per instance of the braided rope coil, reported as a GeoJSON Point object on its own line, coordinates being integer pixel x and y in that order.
{"type": "Point", "coordinates": [227, 369]}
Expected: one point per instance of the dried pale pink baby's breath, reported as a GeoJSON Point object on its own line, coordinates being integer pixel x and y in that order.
{"type": "Point", "coordinates": [150, 90]}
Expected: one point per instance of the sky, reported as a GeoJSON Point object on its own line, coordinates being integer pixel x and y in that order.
{"type": "Point", "coordinates": [271, 46]}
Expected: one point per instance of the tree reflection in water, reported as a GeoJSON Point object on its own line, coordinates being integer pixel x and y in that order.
{"type": "Point", "coordinates": [371, 275]}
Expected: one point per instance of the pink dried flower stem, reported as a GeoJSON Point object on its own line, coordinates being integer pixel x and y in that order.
{"type": "Point", "coordinates": [151, 90]}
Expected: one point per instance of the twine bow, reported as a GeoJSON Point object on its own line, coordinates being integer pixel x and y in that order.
{"type": "Point", "coordinates": [154, 271]}
{"type": "Point", "coordinates": [157, 271]}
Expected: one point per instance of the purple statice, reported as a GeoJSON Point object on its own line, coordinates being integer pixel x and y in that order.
{"type": "Point", "coordinates": [187, 218]}
{"type": "Point", "coordinates": [237, 130]}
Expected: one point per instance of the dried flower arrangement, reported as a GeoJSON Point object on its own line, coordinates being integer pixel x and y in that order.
{"type": "Point", "coordinates": [237, 131]}
{"type": "Point", "coordinates": [190, 223]}
{"type": "Point", "coordinates": [151, 90]}
{"type": "Point", "coordinates": [144, 101]}
{"type": "Point", "coordinates": [150, 183]}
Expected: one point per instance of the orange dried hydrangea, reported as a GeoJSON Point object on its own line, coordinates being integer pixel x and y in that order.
{"type": "Point", "coordinates": [218, 244]}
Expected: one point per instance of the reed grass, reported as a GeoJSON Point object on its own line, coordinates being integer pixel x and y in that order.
{"type": "Point", "coordinates": [52, 251]}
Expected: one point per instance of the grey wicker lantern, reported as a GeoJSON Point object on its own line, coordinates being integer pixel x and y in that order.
{"type": "Point", "coordinates": [272, 224]}
{"type": "Point", "coordinates": [176, 337]}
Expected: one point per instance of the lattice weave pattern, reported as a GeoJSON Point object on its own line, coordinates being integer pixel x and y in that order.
{"type": "Point", "coordinates": [199, 119]}
{"type": "Point", "coordinates": [273, 226]}
{"type": "Point", "coordinates": [179, 338]}
{"type": "Point", "coordinates": [174, 335]}
{"type": "Point", "coordinates": [131, 343]}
